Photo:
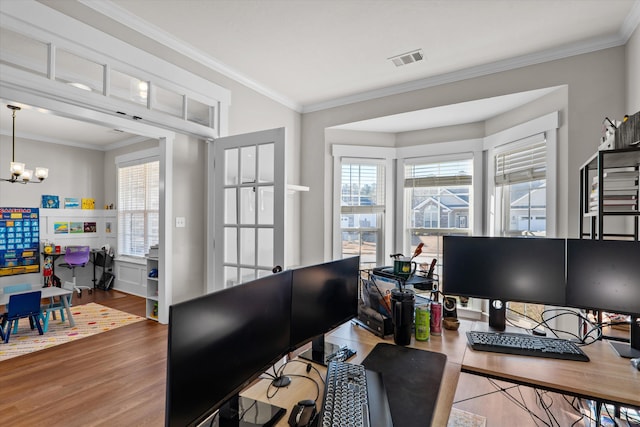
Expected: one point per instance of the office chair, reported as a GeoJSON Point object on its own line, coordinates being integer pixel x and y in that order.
{"type": "Point", "coordinates": [76, 256]}
{"type": "Point", "coordinates": [20, 306]}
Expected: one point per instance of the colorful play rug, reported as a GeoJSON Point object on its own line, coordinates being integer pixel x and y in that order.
{"type": "Point", "coordinates": [90, 319]}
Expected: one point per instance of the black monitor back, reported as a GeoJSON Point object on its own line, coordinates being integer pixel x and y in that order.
{"type": "Point", "coordinates": [604, 275]}
{"type": "Point", "coordinates": [505, 268]}
{"type": "Point", "coordinates": [220, 342]}
{"type": "Point", "coordinates": [323, 297]}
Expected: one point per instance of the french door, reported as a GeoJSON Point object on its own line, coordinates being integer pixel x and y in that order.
{"type": "Point", "coordinates": [249, 206]}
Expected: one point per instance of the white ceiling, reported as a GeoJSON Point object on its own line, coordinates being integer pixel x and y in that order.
{"type": "Point", "coordinates": [314, 54]}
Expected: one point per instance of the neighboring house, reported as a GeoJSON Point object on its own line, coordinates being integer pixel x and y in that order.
{"type": "Point", "coordinates": [448, 209]}
{"type": "Point", "coordinates": [529, 216]}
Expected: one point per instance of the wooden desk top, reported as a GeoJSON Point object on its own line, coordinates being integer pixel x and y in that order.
{"type": "Point", "coordinates": [607, 376]}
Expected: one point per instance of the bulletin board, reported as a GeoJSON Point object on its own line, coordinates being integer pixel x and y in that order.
{"type": "Point", "coordinates": [19, 241]}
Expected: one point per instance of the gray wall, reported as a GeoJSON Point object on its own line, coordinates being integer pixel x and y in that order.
{"type": "Point", "coordinates": [595, 89]}
{"type": "Point", "coordinates": [633, 72]}
{"type": "Point", "coordinates": [73, 172]}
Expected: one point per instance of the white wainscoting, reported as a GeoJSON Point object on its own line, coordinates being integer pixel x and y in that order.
{"type": "Point", "coordinates": [131, 276]}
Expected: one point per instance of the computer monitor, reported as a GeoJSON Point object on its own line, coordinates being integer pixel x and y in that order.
{"type": "Point", "coordinates": [219, 343]}
{"type": "Point", "coordinates": [605, 275]}
{"type": "Point", "coordinates": [323, 296]}
{"type": "Point", "coordinates": [523, 269]}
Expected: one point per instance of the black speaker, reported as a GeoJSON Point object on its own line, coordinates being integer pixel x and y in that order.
{"type": "Point", "coordinates": [449, 307]}
{"type": "Point", "coordinates": [497, 314]}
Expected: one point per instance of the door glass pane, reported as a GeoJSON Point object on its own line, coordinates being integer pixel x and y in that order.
{"type": "Point", "coordinates": [265, 168]}
{"type": "Point", "coordinates": [247, 275]}
{"type": "Point", "coordinates": [129, 88]}
{"type": "Point", "coordinates": [248, 164]}
{"type": "Point", "coordinates": [247, 205]}
{"type": "Point", "coordinates": [263, 273]}
{"type": "Point", "coordinates": [79, 72]}
{"type": "Point", "coordinates": [247, 246]}
{"type": "Point", "coordinates": [24, 52]}
{"type": "Point", "coordinates": [230, 245]}
{"type": "Point", "coordinates": [167, 101]}
{"type": "Point", "coordinates": [265, 247]}
{"type": "Point", "coordinates": [198, 112]}
{"type": "Point", "coordinates": [230, 208]}
{"type": "Point", "coordinates": [265, 205]}
{"type": "Point", "coordinates": [231, 167]}
{"type": "Point", "coordinates": [230, 276]}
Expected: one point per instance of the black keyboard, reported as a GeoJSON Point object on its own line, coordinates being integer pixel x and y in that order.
{"type": "Point", "coordinates": [354, 396]}
{"type": "Point", "coordinates": [526, 345]}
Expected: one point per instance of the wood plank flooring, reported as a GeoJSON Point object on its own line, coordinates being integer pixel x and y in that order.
{"type": "Point", "coordinates": [117, 378]}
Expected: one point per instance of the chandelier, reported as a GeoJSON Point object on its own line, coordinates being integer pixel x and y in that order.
{"type": "Point", "coordinates": [19, 173]}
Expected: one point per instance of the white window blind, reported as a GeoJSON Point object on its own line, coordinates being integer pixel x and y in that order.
{"type": "Point", "coordinates": [522, 164]}
{"type": "Point", "coordinates": [441, 174]}
{"type": "Point", "coordinates": [138, 207]}
{"type": "Point", "coordinates": [362, 188]}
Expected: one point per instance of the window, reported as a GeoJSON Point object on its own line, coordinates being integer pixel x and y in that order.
{"type": "Point", "coordinates": [521, 196]}
{"type": "Point", "coordinates": [138, 206]}
{"type": "Point", "coordinates": [362, 206]}
{"type": "Point", "coordinates": [521, 200]}
{"type": "Point", "coordinates": [437, 202]}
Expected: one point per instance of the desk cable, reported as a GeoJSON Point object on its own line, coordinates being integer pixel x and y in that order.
{"type": "Point", "coordinates": [280, 372]}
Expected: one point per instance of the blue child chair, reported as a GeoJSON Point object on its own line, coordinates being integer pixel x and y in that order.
{"type": "Point", "coordinates": [25, 305]}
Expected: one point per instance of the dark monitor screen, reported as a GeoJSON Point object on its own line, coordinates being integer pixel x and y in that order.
{"type": "Point", "coordinates": [604, 275]}
{"type": "Point", "coordinates": [323, 296]}
{"type": "Point", "coordinates": [220, 342]}
{"type": "Point", "coordinates": [505, 268]}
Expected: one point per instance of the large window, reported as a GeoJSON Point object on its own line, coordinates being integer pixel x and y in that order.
{"type": "Point", "coordinates": [138, 206]}
{"type": "Point", "coordinates": [521, 189]}
{"type": "Point", "coordinates": [437, 202]}
{"type": "Point", "coordinates": [521, 201]}
{"type": "Point", "coordinates": [362, 206]}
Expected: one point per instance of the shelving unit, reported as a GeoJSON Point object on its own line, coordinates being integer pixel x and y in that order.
{"type": "Point", "coordinates": [609, 188]}
{"type": "Point", "coordinates": [152, 289]}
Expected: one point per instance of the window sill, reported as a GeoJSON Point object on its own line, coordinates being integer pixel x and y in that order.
{"type": "Point", "coordinates": [130, 259]}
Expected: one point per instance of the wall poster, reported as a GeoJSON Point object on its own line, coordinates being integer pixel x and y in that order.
{"type": "Point", "coordinates": [19, 241]}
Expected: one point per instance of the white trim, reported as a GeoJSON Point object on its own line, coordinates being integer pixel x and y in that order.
{"type": "Point", "coordinates": [524, 130]}
{"type": "Point", "coordinates": [375, 155]}
{"type": "Point", "coordinates": [519, 135]}
{"type": "Point", "coordinates": [138, 157]}
{"type": "Point", "coordinates": [111, 10]}
{"type": "Point", "coordinates": [574, 49]}
{"type": "Point", "coordinates": [440, 148]}
{"type": "Point", "coordinates": [356, 151]}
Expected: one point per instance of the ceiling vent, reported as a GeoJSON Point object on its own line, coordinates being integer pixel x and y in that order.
{"type": "Point", "coordinates": [407, 58]}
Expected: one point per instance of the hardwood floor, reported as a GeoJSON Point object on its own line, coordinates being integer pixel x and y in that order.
{"type": "Point", "coordinates": [115, 378]}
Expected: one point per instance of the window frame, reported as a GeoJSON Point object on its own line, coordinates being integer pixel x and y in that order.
{"type": "Point", "coordinates": [383, 156]}
{"type": "Point", "coordinates": [136, 159]}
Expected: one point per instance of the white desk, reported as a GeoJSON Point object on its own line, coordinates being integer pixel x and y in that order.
{"type": "Point", "coordinates": [49, 292]}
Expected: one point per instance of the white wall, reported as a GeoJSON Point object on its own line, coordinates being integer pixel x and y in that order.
{"type": "Point", "coordinates": [595, 89]}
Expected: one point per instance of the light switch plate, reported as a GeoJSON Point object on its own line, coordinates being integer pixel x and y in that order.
{"type": "Point", "coordinates": [181, 222]}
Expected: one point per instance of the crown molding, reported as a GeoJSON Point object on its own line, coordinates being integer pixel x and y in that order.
{"type": "Point", "coordinates": [117, 13]}
{"type": "Point", "coordinates": [111, 10]}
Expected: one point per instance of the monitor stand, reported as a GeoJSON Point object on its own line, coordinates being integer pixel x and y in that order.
{"type": "Point", "coordinates": [631, 350]}
{"type": "Point", "coordinates": [320, 351]}
{"type": "Point", "coordinates": [244, 412]}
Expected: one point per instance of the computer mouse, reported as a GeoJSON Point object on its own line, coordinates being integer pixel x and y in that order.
{"type": "Point", "coordinates": [303, 414]}
{"type": "Point", "coordinates": [636, 363]}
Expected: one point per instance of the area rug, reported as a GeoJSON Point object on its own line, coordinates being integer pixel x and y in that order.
{"type": "Point", "coordinates": [90, 319]}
